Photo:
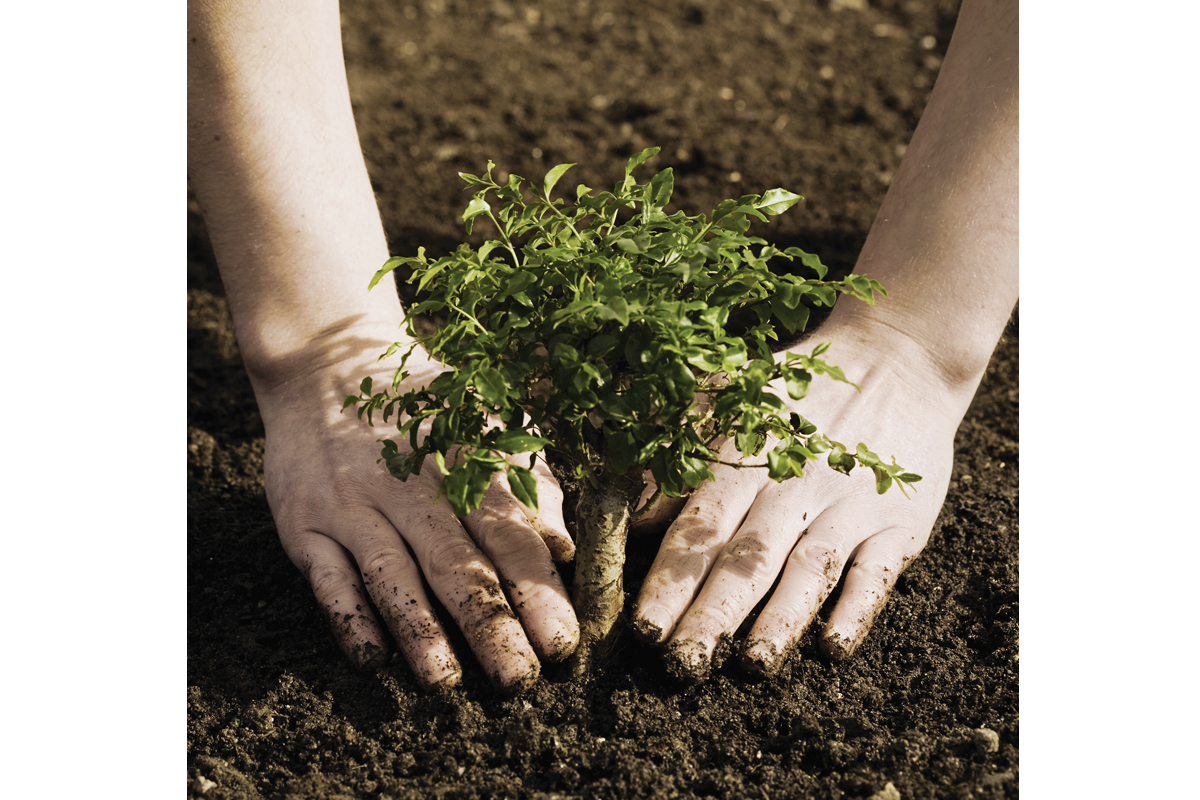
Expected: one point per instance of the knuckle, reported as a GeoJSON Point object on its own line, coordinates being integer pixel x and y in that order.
{"type": "Point", "coordinates": [383, 563]}
{"type": "Point", "coordinates": [822, 560]}
{"type": "Point", "coordinates": [448, 555]}
{"type": "Point", "coordinates": [876, 572]}
{"type": "Point", "coordinates": [750, 557]}
{"type": "Point", "coordinates": [693, 532]}
{"type": "Point", "coordinates": [507, 541]}
{"type": "Point", "coordinates": [532, 595]}
{"type": "Point", "coordinates": [329, 581]}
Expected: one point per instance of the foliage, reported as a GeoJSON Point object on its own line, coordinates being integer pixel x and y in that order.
{"type": "Point", "coordinates": [601, 328]}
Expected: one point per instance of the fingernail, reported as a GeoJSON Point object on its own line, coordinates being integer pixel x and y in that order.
{"type": "Point", "coordinates": [558, 637]}
{"type": "Point", "coordinates": [653, 625]}
{"type": "Point", "coordinates": [688, 660]}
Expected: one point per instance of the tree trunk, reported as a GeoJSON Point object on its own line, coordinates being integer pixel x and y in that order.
{"type": "Point", "coordinates": [602, 520]}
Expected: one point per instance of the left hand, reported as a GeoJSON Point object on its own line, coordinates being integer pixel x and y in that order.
{"type": "Point", "coordinates": [737, 533]}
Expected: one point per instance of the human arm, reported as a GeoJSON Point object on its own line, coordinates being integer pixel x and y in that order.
{"type": "Point", "coordinates": [944, 244]}
{"type": "Point", "coordinates": [275, 162]}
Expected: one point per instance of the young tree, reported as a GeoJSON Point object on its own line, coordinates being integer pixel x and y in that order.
{"type": "Point", "coordinates": [601, 329]}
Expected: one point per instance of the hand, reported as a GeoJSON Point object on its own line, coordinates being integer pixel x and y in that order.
{"type": "Point", "coordinates": [364, 539]}
{"type": "Point", "coordinates": [736, 534]}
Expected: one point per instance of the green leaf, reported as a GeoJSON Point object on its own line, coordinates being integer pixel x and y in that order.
{"type": "Point", "coordinates": [387, 267]}
{"type": "Point", "coordinates": [486, 248]}
{"type": "Point", "coordinates": [695, 471]}
{"type": "Point", "coordinates": [794, 318]}
{"type": "Point", "coordinates": [490, 383]}
{"type": "Point", "coordinates": [702, 359]}
{"type": "Point", "coordinates": [658, 194]}
{"type": "Point", "coordinates": [809, 260]}
{"type": "Point", "coordinates": [602, 345]}
{"type": "Point", "coordinates": [518, 441]}
{"type": "Point", "coordinates": [777, 201]}
{"type": "Point", "coordinates": [620, 309]}
{"type": "Point", "coordinates": [553, 175]}
{"type": "Point", "coordinates": [622, 450]}
{"type": "Point", "coordinates": [523, 484]}
{"type": "Point", "coordinates": [840, 460]}
{"type": "Point", "coordinates": [365, 386]}
{"type": "Point", "coordinates": [665, 470]}
{"type": "Point", "coordinates": [427, 307]}
{"type": "Point", "coordinates": [749, 444]}
{"type": "Point", "coordinates": [801, 425]}
{"type": "Point", "coordinates": [476, 207]}
{"type": "Point", "coordinates": [779, 466]}
{"type": "Point", "coordinates": [457, 488]}
{"type": "Point", "coordinates": [639, 159]}
{"type": "Point", "coordinates": [866, 457]}
{"type": "Point", "coordinates": [797, 381]}
{"type": "Point", "coordinates": [517, 283]}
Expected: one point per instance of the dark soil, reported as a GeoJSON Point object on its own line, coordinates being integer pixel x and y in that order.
{"type": "Point", "coordinates": [742, 97]}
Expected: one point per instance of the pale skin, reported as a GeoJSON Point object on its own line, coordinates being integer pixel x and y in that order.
{"type": "Point", "coordinates": [945, 246]}
{"type": "Point", "coordinates": [274, 159]}
{"type": "Point", "coordinates": [275, 162]}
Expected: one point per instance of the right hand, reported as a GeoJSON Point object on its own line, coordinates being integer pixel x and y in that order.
{"type": "Point", "coordinates": [365, 540]}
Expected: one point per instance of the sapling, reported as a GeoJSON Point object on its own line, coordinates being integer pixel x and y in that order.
{"type": "Point", "coordinates": [601, 328]}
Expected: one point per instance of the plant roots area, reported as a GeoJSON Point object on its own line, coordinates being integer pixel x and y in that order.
{"type": "Point", "coordinates": [817, 97]}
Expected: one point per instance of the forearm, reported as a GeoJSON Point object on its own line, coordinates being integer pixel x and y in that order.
{"type": "Point", "coordinates": [945, 241]}
{"type": "Point", "coordinates": [275, 162]}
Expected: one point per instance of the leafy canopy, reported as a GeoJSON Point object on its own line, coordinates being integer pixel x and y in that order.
{"type": "Point", "coordinates": [600, 327]}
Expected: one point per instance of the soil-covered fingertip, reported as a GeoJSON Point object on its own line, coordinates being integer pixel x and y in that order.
{"type": "Point", "coordinates": [761, 657]}
{"type": "Point", "coordinates": [562, 549]}
{"type": "Point", "coordinates": [369, 656]}
{"type": "Point", "coordinates": [837, 647]}
{"type": "Point", "coordinates": [561, 638]}
{"type": "Point", "coordinates": [445, 684]}
{"type": "Point", "coordinates": [364, 654]}
{"type": "Point", "coordinates": [647, 631]}
{"type": "Point", "coordinates": [558, 542]}
{"type": "Point", "coordinates": [518, 685]}
{"type": "Point", "coordinates": [687, 660]}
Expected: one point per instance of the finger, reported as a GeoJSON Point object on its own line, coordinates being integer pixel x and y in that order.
{"type": "Point", "coordinates": [742, 575]}
{"type": "Point", "coordinates": [548, 519]}
{"type": "Point", "coordinates": [394, 583]}
{"type": "Point", "coordinates": [340, 594]}
{"type": "Point", "coordinates": [658, 517]}
{"type": "Point", "coordinates": [877, 564]}
{"type": "Point", "coordinates": [465, 582]}
{"type": "Point", "coordinates": [813, 568]}
{"type": "Point", "coordinates": [688, 551]}
{"type": "Point", "coordinates": [523, 560]}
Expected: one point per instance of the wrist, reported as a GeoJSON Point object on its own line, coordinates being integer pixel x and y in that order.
{"type": "Point", "coordinates": [337, 353]}
{"type": "Point", "coordinates": [875, 345]}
